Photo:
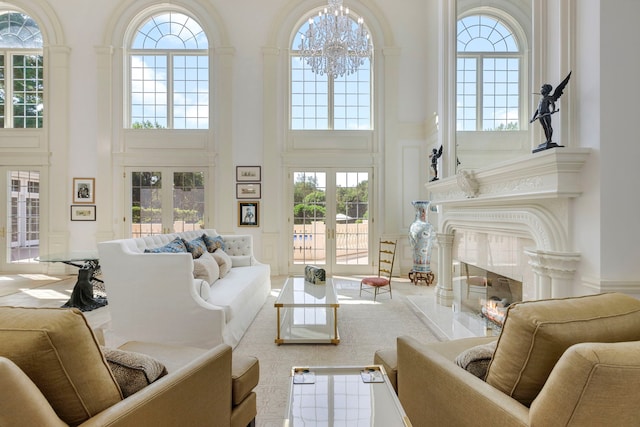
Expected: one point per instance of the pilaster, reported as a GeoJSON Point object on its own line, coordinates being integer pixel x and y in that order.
{"type": "Point", "coordinates": [444, 288]}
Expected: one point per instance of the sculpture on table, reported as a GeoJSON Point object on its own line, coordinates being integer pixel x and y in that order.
{"type": "Point", "coordinates": [547, 107]}
{"type": "Point", "coordinates": [434, 156]}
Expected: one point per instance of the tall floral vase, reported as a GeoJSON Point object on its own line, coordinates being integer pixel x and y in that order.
{"type": "Point", "coordinates": [421, 236]}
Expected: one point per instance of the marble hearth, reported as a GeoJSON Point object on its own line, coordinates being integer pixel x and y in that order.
{"type": "Point", "coordinates": [511, 219]}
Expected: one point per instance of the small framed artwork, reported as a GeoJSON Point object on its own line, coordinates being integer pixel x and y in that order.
{"type": "Point", "coordinates": [248, 173]}
{"type": "Point", "coordinates": [248, 191]}
{"type": "Point", "coordinates": [83, 213]}
{"type": "Point", "coordinates": [248, 214]}
{"type": "Point", "coordinates": [84, 190]}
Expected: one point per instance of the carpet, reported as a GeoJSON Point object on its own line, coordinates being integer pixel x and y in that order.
{"type": "Point", "coordinates": [13, 283]}
{"type": "Point", "coordinates": [364, 327]}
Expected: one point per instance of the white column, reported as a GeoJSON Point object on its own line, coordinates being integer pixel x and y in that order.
{"type": "Point", "coordinates": [553, 273]}
{"type": "Point", "coordinates": [444, 288]}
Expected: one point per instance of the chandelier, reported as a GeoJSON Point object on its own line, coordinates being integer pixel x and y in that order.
{"type": "Point", "coordinates": [334, 44]}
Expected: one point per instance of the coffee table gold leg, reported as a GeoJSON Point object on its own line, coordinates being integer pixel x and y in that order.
{"type": "Point", "coordinates": [278, 340]}
{"type": "Point", "coordinates": [336, 339]}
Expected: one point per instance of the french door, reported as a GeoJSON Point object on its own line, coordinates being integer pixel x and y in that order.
{"type": "Point", "coordinates": [329, 220]}
{"type": "Point", "coordinates": [165, 200]}
{"type": "Point", "coordinates": [20, 219]}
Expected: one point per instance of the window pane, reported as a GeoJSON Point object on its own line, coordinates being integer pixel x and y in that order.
{"type": "Point", "coordinates": [309, 88]}
{"type": "Point", "coordinates": [498, 108]}
{"type": "Point", "coordinates": [349, 107]}
{"type": "Point", "coordinates": [150, 84]}
{"type": "Point", "coordinates": [27, 91]}
{"type": "Point", "coordinates": [171, 30]}
{"type": "Point", "coordinates": [188, 85]}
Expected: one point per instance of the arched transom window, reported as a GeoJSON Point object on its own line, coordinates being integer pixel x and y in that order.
{"type": "Point", "coordinates": [169, 74]}
{"type": "Point", "coordinates": [323, 102]}
{"type": "Point", "coordinates": [488, 75]}
{"type": "Point", "coordinates": [21, 71]}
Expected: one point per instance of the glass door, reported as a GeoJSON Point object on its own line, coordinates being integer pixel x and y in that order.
{"type": "Point", "coordinates": [330, 224]}
{"type": "Point", "coordinates": [166, 200]}
{"type": "Point", "coordinates": [20, 219]}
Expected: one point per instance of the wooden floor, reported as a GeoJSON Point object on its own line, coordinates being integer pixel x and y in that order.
{"type": "Point", "coordinates": [39, 290]}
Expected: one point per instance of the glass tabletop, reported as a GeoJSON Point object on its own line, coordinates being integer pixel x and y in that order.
{"type": "Point", "coordinates": [73, 256]}
{"type": "Point", "coordinates": [297, 292]}
{"type": "Point", "coordinates": [343, 395]}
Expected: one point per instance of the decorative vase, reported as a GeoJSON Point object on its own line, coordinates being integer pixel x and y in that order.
{"type": "Point", "coordinates": [421, 235]}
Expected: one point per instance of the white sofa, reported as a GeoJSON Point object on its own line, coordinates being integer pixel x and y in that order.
{"type": "Point", "coordinates": [155, 297]}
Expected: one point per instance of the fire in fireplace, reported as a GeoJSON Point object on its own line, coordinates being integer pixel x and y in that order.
{"type": "Point", "coordinates": [489, 294]}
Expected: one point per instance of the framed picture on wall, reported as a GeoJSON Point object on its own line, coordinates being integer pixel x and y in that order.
{"type": "Point", "coordinates": [248, 173]}
{"type": "Point", "coordinates": [248, 214]}
{"type": "Point", "coordinates": [84, 190]}
{"type": "Point", "coordinates": [248, 191]}
{"type": "Point", "coordinates": [83, 213]}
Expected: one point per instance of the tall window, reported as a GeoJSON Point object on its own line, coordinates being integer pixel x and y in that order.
{"type": "Point", "coordinates": [21, 71]}
{"type": "Point", "coordinates": [488, 75]}
{"type": "Point", "coordinates": [322, 102]}
{"type": "Point", "coordinates": [169, 74]}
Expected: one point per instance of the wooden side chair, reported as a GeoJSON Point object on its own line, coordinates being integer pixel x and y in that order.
{"type": "Point", "coordinates": [382, 282]}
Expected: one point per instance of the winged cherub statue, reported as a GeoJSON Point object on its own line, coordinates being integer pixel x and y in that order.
{"type": "Point", "coordinates": [547, 107]}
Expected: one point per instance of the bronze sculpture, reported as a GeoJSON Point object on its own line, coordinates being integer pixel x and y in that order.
{"type": "Point", "coordinates": [547, 107]}
{"type": "Point", "coordinates": [434, 156]}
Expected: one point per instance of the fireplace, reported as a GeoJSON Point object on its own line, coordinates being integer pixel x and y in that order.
{"type": "Point", "coordinates": [516, 225]}
{"type": "Point", "coordinates": [484, 293]}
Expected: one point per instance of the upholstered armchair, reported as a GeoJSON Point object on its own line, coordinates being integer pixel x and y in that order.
{"type": "Point", "coordinates": [558, 362]}
{"type": "Point", "coordinates": [54, 372]}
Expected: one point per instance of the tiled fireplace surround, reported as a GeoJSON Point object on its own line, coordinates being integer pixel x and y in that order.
{"type": "Point", "coordinates": [511, 219]}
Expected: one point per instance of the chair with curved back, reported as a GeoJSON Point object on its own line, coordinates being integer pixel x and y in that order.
{"type": "Point", "coordinates": [386, 258]}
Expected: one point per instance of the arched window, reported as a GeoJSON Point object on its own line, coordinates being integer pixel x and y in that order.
{"type": "Point", "coordinates": [324, 102]}
{"type": "Point", "coordinates": [169, 73]}
{"type": "Point", "coordinates": [21, 71]}
{"type": "Point", "coordinates": [488, 75]}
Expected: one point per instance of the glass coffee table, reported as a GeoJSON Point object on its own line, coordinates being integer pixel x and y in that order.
{"type": "Point", "coordinates": [307, 312]}
{"type": "Point", "coordinates": [343, 396]}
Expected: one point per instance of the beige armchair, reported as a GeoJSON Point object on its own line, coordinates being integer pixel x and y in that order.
{"type": "Point", "coordinates": [560, 362]}
{"type": "Point", "coordinates": [54, 373]}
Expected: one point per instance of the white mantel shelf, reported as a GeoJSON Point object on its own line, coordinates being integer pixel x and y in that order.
{"type": "Point", "coordinates": [549, 174]}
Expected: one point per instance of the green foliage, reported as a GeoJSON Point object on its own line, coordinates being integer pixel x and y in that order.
{"type": "Point", "coordinates": [146, 125]}
{"type": "Point", "coordinates": [509, 127]}
{"type": "Point", "coordinates": [154, 215]}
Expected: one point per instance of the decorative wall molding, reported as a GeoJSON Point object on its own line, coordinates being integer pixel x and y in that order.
{"type": "Point", "coordinates": [548, 174]}
{"type": "Point", "coordinates": [526, 197]}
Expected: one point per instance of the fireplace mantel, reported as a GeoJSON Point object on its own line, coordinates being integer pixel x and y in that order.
{"type": "Point", "coordinates": [527, 198]}
{"type": "Point", "coordinates": [548, 174]}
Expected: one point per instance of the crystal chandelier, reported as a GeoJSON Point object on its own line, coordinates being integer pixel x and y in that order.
{"type": "Point", "coordinates": [334, 44]}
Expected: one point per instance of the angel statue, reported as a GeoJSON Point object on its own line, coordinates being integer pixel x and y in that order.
{"type": "Point", "coordinates": [547, 107]}
{"type": "Point", "coordinates": [434, 156]}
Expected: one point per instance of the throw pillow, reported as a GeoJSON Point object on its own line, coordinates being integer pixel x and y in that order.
{"type": "Point", "coordinates": [224, 261]}
{"type": "Point", "coordinates": [196, 247]}
{"type": "Point", "coordinates": [202, 288]}
{"type": "Point", "coordinates": [476, 359]}
{"type": "Point", "coordinates": [213, 243]}
{"type": "Point", "coordinates": [133, 371]}
{"type": "Point", "coordinates": [206, 268]}
{"type": "Point", "coordinates": [535, 334]}
{"type": "Point", "coordinates": [174, 246]}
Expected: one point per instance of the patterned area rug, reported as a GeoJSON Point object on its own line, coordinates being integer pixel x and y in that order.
{"type": "Point", "coordinates": [364, 327]}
